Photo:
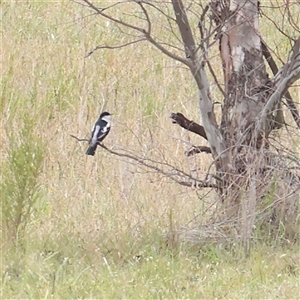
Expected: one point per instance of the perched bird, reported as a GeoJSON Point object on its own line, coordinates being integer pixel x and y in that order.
{"type": "Point", "coordinates": [99, 132]}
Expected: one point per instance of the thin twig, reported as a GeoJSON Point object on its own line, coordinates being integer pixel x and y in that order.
{"type": "Point", "coordinates": [115, 47]}
{"type": "Point", "coordinates": [78, 139]}
{"type": "Point", "coordinates": [145, 33]}
{"type": "Point", "coordinates": [190, 182]}
{"type": "Point", "coordinates": [147, 17]}
{"type": "Point", "coordinates": [100, 12]}
{"type": "Point", "coordinates": [195, 183]}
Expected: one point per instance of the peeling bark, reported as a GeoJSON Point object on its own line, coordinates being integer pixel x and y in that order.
{"type": "Point", "coordinates": [250, 112]}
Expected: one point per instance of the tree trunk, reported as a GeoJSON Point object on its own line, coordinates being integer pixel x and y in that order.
{"type": "Point", "coordinates": [248, 89]}
{"type": "Point", "coordinates": [253, 182]}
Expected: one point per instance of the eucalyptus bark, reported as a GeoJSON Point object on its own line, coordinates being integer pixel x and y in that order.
{"type": "Point", "coordinates": [250, 112]}
{"type": "Point", "coordinates": [251, 107]}
{"type": "Point", "coordinates": [246, 170]}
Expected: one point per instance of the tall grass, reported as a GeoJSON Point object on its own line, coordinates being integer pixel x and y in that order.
{"type": "Point", "coordinates": [97, 227]}
{"type": "Point", "coordinates": [20, 186]}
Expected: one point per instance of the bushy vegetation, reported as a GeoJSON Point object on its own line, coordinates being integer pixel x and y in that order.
{"type": "Point", "coordinates": [100, 227]}
{"type": "Point", "coordinates": [20, 186]}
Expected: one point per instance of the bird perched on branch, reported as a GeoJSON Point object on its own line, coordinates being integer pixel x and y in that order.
{"type": "Point", "coordinates": [99, 132]}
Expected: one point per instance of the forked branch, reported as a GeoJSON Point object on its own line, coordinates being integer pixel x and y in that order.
{"type": "Point", "coordinates": [115, 47]}
{"type": "Point", "coordinates": [174, 173]}
{"type": "Point", "coordinates": [286, 76]}
{"type": "Point", "coordinates": [290, 103]}
{"type": "Point", "coordinates": [145, 33]}
{"type": "Point", "coordinates": [212, 130]}
{"type": "Point", "coordinates": [191, 59]}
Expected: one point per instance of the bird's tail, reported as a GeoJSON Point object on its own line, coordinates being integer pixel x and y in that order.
{"type": "Point", "coordinates": [91, 150]}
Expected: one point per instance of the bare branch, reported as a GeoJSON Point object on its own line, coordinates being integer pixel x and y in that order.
{"type": "Point", "coordinates": [115, 47]}
{"type": "Point", "coordinates": [146, 33]}
{"type": "Point", "coordinates": [292, 68]}
{"type": "Point", "coordinates": [201, 29]}
{"type": "Point", "coordinates": [167, 52]}
{"type": "Point", "coordinates": [78, 139]}
{"type": "Point", "coordinates": [212, 72]}
{"type": "Point", "coordinates": [101, 12]}
{"type": "Point", "coordinates": [175, 174]}
{"type": "Point", "coordinates": [212, 131]}
{"type": "Point", "coordinates": [171, 46]}
{"type": "Point", "coordinates": [105, 8]}
{"type": "Point", "coordinates": [197, 149]}
{"type": "Point", "coordinates": [286, 15]}
{"type": "Point", "coordinates": [194, 183]}
{"type": "Point", "coordinates": [185, 30]}
{"type": "Point", "coordinates": [288, 74]}
{"type": "Point", "coordinates": [294, 23]}
{"type": "Point", "coordinates": [204, 45]}
{"type": "Point", "coordinates": [159, 10]}
{"type": "Point", "coordinates": [290, 103]}
{"type": "Point", "coordinates": [185, 123]}
{"type": "Point", "coordinates": [146, 15]}
{"type": "Point", "coordinates": [267, 54]}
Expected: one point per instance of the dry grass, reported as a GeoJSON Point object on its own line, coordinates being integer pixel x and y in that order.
{"type": "Point", "coordinates": [97, 228]}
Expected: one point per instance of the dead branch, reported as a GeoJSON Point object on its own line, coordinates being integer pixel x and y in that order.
{"type": "Point", "coordinates": [146, 34]}
{"type": "Point", "coordinates": [115, 47]}
{"type": "Point", "coordinates": [78, 139]}
{"type": "Point", "coordinates": [193, 182]}
{"type": "Point", "coordinates": [168, 17]}
{"type": "Point", "coordinates": [105, 8]}
{"type": "Point", "coordinates": [147, 17]}
{"type": "Point", "coordinates": [285, 77]}
{"type": "Point", "coordinates": [167, 52]}
{"type": "Point", "coordinates": [204, 45]}
{"type": "Point", "coordinates": [191, 60]}
{"type": "Point", "coordinates": [100, 11]}
{"type": "Point", "coordinates": [278, 27]}
{"type": "Point", "coordinates": [197, 149]}
{"type": "Point", "coordinates": [185, 30]}
{"type": "Point", "coordinates": [174, 175]}
{"type": "Point", "coordinates": [212, 130]}
{"type": "Point", "coordinates": [272, 64]}
{"type": "Point", "coordinates": [185, 123]}
{"type": "Point", "coordinates": [201, 30]}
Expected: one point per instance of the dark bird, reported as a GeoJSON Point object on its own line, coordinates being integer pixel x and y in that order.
{"type": "Point", "coordinates": [99, 132]}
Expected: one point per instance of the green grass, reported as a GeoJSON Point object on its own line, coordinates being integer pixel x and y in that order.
{"type": "Point", "coordinates": [102, 227]}
{"type": "Point", "coordinates": [69, 271]}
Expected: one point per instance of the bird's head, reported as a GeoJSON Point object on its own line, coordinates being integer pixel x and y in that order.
{"type": "Point", "coordinates": [105, 115]}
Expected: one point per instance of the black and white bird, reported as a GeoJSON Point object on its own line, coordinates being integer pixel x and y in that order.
{"type": "Point", "coordinates": [99, 132]}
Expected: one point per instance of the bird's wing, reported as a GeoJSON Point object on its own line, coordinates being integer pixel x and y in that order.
{"type": "Point", "coordinates": [104, 128]}
{"type": "Point", "coordinates": [95, 134]}
{"type": "Point", "coordinates": [93, 128]}
{"type": "Point", "coordinates": [102, 133]}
